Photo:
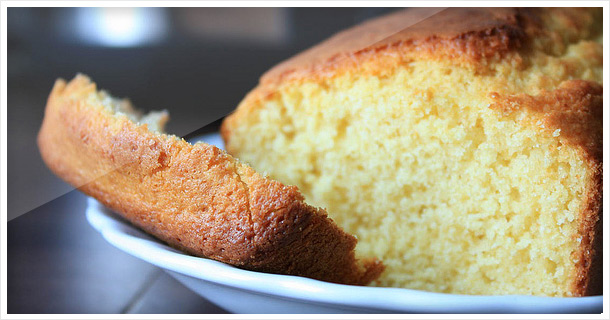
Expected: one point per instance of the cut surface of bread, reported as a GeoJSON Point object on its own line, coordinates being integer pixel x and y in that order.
{"type": "Point", "coordinates": [195, 197]}
{"type": "Point", "coordinates": [464, 150]}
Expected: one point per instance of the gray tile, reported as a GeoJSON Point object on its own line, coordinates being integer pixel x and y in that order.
{"type": "Point", "coordinates": [167, 295]}
{"type": "Point", "coordinates": [57, 263]}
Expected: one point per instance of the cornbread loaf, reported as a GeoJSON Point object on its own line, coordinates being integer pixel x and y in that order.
{"type": "Point", "coordinates": [196, 198]}
{"type": "Point", "coordinates": [462, 148]}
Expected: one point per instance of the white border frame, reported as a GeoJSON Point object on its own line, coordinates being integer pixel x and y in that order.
{"type": "Point", "coordinates": [3, 142]}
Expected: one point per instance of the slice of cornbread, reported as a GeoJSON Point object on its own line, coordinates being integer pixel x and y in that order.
{"type": "Point", "coordinates": [195, 197]}
{"type": "Point", "coordinates": [464, 150]}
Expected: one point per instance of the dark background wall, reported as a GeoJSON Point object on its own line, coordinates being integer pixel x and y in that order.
{"type": "Point", "coordinates": [196, 62]}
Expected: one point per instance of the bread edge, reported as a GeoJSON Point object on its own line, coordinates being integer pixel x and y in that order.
{"type": "Point", "coordinates": [68, 137]}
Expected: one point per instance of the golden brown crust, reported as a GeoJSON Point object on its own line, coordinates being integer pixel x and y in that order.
{"type": "Point", "coordinates": [575, 110]}
{"type": "Point", "coordinates": [459, 35]}
{"type": "Point", "coordinates": [195, 197]}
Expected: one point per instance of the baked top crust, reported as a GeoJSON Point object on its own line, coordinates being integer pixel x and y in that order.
{"type": "Point", "coordinates": [195, 197]}
{"type": "Point", "coordinates": [463, 36]}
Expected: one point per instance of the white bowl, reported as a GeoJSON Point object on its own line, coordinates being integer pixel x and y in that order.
{"type": "Point", "coordinates": [244, 291]}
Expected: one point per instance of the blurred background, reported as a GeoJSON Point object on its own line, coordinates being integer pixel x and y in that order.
{"type": "Point", "coordinates": [196, 62]}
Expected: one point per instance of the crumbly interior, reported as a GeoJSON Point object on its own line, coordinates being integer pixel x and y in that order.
{"type": "Point", "coordinates": [155, 120]}
{"type": "Point", "coordinates": [451, 195]}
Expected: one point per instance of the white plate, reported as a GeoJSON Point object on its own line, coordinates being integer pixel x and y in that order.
{"type": "Point", "coordinates": [244, 291]}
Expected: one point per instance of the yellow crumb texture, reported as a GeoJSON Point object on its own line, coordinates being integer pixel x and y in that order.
{"type": "Point", "coordinates": [451, 194]}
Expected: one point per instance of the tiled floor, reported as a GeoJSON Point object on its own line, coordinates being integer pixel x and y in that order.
{"type": "Point", "coordinates": [57, 263]}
